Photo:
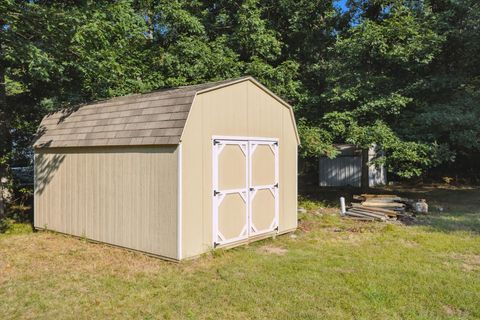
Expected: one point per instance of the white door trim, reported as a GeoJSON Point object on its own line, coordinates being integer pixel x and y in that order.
{"type": "Point", "coordinates": [248, 146]}
{"type": "Point", "coordinates": [218, 195]}
{"type": "Point", "coordinates": [274, 189]}
{"type": "Point", "coordinates": [236, 138]}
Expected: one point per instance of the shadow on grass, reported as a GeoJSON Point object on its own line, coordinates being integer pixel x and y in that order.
{"type": "Point", "coordinates": [329, 196]}
{"type": "Point", "coordinates": [451, 209]}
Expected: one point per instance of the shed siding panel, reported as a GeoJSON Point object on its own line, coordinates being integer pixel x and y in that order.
{"type": "Point", "coordinates": [346, 170]}
{"type": "Point", "coordinates": [245, 110]}
{"type": "Point", "coordinates": [288, 175]}
{"type": "Point", "coordinates": [340, 171]}
{"type": "Point", "coordinates": [122, 196]}
{"type": "Point", "coordinates": [194, 160]}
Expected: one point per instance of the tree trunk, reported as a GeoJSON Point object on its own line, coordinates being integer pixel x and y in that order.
{"type": "Point", "coordinates": [365, 171]}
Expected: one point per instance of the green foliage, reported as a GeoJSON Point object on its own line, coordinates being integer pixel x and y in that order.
{"type": "Point", "coordinates": [9, 227]}
{"type": "Point", "coordinates": [102, 45]}
{"type": "Point", "coordinates": [252, 38]}
{"type": "Point", "coordinates": [447, 100]}
{"type": "Point", "coordinates": [314, 141]}
{"type": "Point", "coordinates": [379, 74]}
{"type": "Point", "coordinates": [6, 224]}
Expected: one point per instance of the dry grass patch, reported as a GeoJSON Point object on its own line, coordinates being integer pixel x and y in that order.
{"type": "Point", "coordinates": [408, 243]}
{"type": "Point", "coordinates": [46, 252]}
{"type": "Point", "coordinates": [270, 249]}
{"type": "Point", "coordinates": [469, 262]}
{"type": "Point", "coordinates": [454, 312]}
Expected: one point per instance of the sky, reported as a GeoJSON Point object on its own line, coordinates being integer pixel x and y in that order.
{"type": "Point", "coordinates": [341, 4]}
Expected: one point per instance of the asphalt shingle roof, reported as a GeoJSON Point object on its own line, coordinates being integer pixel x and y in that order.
{"type": "Point", "coordinates": [155, 118]}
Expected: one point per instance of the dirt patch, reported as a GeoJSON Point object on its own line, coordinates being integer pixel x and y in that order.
{"type": "Point", "coordinates": [452, 311]}
{"type": "Point", "coordinates": [348, 229]}
{"type": "Point", "coordinates": [279, 251]}
{"type": "Point", "coordinates": [408, 243]}
{"type": "Point", "coordinates": [469, 262]}
{"type": "Point", "coordinates": [306, 226]}
{"type": "Point", "coordinates": [351, 239]}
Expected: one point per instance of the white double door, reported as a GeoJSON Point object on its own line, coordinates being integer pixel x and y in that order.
{"type": "Point", "coordinates": [245, 188]}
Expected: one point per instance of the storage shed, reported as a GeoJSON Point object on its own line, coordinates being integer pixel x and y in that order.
{"type": "Point", "coordinates": [346, 168]}
{"type": "Point", "coordinates": [174, 172]}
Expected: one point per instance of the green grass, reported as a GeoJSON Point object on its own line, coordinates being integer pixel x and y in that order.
{"type": "Point", "coordinates": [330, 269]}
{"type": "Point", "coordinates": [16, 228]}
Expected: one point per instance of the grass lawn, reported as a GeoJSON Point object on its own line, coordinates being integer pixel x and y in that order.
{"type": "Point", "coordinates": [330, 268]}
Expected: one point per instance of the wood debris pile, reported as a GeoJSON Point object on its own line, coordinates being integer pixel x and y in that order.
{"type": "Point", "coordinates": [382, 207]}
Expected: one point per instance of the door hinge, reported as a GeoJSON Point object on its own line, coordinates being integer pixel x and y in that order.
{"type": "Point", "coordinates": [276, 185]}
{"type": "Point", "coordinates": [215, 244]}
{"type": "Point", "coordinates": [215, 193]}
{"type": "Point", "coordinates": [252, 189]}
{"type": "Point", "coordinates": [276, 228]}
{"type": "Point", "coordinates": [276, 143]}
{"type": "Point", "coordinates": [215, 142]}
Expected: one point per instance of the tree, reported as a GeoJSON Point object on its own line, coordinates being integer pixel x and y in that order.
{"type": "Point", "coordinates": [56, 54]}
{"type": "Point", "coordinates": [373, 73]}
{"type": "Point", "coordinates": [447, 99]}
{"type": "Point", "coordinates": [59, 54]}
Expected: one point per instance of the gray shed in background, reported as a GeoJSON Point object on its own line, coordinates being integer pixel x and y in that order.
{"type": "Point", "coordinates": [346, 168]}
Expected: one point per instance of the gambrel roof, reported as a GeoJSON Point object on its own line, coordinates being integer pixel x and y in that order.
{"type": "Point", "coordinates": [155, 118]}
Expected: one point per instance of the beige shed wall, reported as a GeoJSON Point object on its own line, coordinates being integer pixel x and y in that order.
{"type": "Point", "coordinates": [241, 109]}
{"type": "Point", "coordinates": [126, 196]}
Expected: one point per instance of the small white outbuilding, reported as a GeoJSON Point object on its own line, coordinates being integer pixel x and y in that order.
{"type": "Point", "coordinates": [174, 172]}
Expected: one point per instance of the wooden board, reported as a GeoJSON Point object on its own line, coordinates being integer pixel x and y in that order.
{"type": "Point", "coordinates": [378, 195]}
{"type": "Point", "coordinates": [383, 204]}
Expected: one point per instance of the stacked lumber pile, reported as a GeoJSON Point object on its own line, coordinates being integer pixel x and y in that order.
{"type": "Point", "coordinates": [379, 207]}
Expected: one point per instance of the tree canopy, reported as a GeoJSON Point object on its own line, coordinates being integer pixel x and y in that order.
{"type": "Point", "coordinates": [404, 75]}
